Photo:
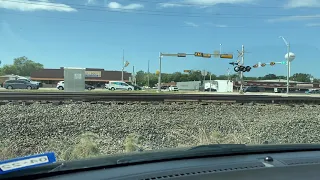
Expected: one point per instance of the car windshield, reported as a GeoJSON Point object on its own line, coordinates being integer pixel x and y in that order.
{"type": "Point", "coordinates": [120, 76]}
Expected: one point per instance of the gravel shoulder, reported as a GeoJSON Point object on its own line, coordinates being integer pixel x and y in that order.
{"type": "Point", "coordinates": [36, 128]}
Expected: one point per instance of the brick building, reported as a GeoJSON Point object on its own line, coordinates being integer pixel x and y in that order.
{"type": "Point", "coordinates": [93, 76]}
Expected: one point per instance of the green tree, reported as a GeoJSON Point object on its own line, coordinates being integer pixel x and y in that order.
{"type": "Point", "coordinates": [301, 77]}
{"type": "Point", "coordinates": [21, 66]}
{"type": "Point", "coordinates": [270, 77]}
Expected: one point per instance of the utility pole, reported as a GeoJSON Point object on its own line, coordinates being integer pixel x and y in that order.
{"type": "Point", "coordinates": [133, 76]}
{"type": "Point", "coordinates": [122, 65]}
{"type": "Point", "coordinates": [148, 73]}
{"type": "Point", "coordinates": [288, 62]}
{"type": "Point", "coordinates": [159, 78]}
{"type": "Point", "coordinates": [242, 63]}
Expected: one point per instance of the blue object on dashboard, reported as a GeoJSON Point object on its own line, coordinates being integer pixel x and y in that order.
{"type": "Point", "coordinates": [26, 162]}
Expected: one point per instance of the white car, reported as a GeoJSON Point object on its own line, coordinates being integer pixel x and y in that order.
{"type": "Point", "coordinates": [60, 85]}
{"type": "Point", "coordinates": [118, 85]}
{"type": "Point", "coordinates": [173, 88]}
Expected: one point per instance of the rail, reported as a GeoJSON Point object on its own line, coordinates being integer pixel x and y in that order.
{"type": "Point", "coordinates": [65, 96]}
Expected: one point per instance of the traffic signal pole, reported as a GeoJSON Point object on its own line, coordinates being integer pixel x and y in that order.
{"type": "Point", "coordinates": [159, 78]}
{"type": "Point", "coordinates": [288, 67]}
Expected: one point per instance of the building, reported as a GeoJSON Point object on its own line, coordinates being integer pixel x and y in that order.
{"type": "Point", "coordinates": [93, 76]}
{"type": "Point", "coordinates": [270, 85]}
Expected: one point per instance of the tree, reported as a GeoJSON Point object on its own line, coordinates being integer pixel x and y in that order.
{"type": "Point", "coordinates": [270, 77]}
{"type": "Point", "coordinates": [21, 66]}
{"type": "Point", "coordinates": [301, 77]}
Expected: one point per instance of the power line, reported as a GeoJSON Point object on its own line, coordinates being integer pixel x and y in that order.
{"type": "Point", "coordinates": [155, 13]}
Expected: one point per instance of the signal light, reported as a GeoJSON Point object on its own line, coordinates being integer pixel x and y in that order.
{"type": "Point", "coordinates": [248, 68]}
{"type": "Point", "coordinates": [263, 64]}
{"type": "Point", "coordinates": [242, 68]}
{"type": "Point", "coordinates": [272, 63]}
{"type": "Point", "coordinates": [255, 66]}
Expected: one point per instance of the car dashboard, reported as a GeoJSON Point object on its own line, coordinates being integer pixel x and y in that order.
{"type": "Point", "coordinates": [282, 166]}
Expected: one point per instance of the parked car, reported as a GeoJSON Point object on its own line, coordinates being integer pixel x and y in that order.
{"type": "Point", "coordinates": [135, 86]}
{"type": "Point", "coordinates": [89, 87]}
{"type": "Point", "coordinates": [313, 91]}
{"type": "Point", "coordinates": [253, 89]}
{"type": "Point", "coordinates": [173, 88]}
{"type": "Point", "coordinates": [118, 85]}
{"type": "Point", "coordinates": [19, 84]}
{"type": "Point", "coordinates": [60, 86]}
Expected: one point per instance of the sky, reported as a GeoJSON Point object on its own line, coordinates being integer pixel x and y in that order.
{"type": "Point", "coordinates": [94, 33]}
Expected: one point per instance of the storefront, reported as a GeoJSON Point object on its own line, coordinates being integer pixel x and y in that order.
{"type": "Point", "coordinates": [93, 76]}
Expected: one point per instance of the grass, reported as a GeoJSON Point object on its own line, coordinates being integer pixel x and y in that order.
{"type": "Point", "coordinates": [86, 146]}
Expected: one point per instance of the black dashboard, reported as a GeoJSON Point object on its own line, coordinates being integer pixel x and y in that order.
{"type": "Point", "coordinates": [269, 166]}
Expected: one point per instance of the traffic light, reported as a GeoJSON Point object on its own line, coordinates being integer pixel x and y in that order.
{"type": "Point", "coordinates": [255, 66]}
{"type": "Point", "coordinates": [248, 68]}
{"type": "Point", "coordinates": [263, 64]}
{"type": "Point", "coordinates": [272, 63]}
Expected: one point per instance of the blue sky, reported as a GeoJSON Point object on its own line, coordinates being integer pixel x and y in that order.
{"type": "Point", "coordinates": [93, 33]}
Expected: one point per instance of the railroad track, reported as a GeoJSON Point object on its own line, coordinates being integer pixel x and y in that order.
{"type": "Point", "coordinates": [65, 96]}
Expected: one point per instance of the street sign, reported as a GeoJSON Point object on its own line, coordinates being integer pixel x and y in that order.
{"type": "Point", "coordinates": [126, 64]}
{"type": "Point", "coordinates": [198, 54]}
{"type": "Point", "coordinates": [206, 55]}
{"type": "Point", "coordinates": [187, 71]}
{"type": "Point", "coordinates": [182, 55]}
{"type": "Point", "coordinates": [226, 56]}
{"type": "Point", "coordinates": [157, 72]}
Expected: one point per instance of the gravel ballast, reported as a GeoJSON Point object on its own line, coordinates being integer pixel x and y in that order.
{"type": "Point", "coordinates": [35, 128]}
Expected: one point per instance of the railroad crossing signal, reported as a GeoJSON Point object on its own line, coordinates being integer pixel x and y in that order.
{"type": "Point", "coordinates": [226, 56]}
{"type": "Point", "coordinates": [242, 68]}
{"type": "Point", "coordinates": [272, 63]}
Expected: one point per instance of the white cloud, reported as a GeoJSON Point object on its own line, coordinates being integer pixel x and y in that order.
{"type": "Point", "coordinates": [202, 3]}
{"type": "Point", "coordinates": [302, 3]}
{"type": "Point", "coordinates": [313, 24]}
{"type": "Point", "coordinates": [191, 24]}
{"type": "Point", "coordinates": [169, 5]}
{"type": "Point", "coordinates": [27, 5]}
{"type": "Point", "coordinates": [221, 25]}
{"type": "Point", "coordinates": [295, 18]}
{"type": "Point", "coordinates": [91, 2]}
{"type": "Point", "coordinates": [216, 25]}
{"type": "Point", "coordinates": [118, 6]}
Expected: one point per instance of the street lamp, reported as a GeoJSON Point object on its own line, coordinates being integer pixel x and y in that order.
{"type": "Point", "coordinates": [290, 57]}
